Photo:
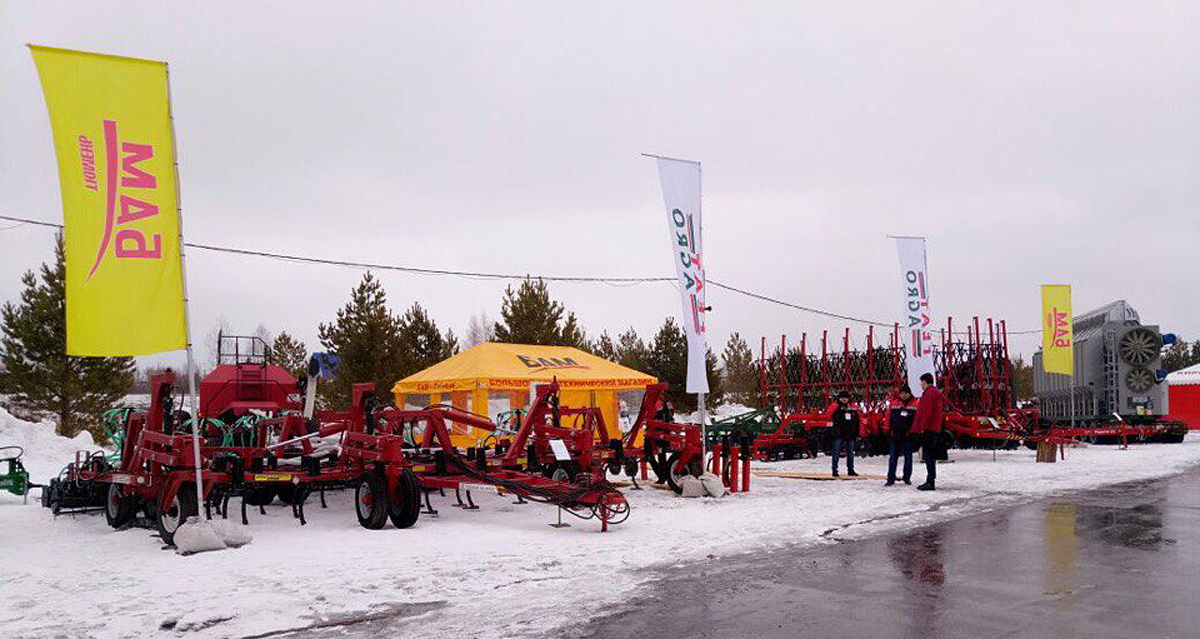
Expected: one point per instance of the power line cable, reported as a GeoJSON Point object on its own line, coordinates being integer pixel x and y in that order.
{"type": "Point", "coordinates": [288, 257]}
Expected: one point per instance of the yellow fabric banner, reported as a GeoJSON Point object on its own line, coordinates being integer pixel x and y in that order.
{"type": "Point", "coordinates": [115, 147]}
{"type": "Point", "coordinates": [1058, 339]}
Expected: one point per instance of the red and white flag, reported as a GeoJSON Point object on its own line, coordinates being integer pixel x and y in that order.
{"type": "Point", "coordinates": [916, 330]}
{"type": "Point", "coordinates": [680, 181]}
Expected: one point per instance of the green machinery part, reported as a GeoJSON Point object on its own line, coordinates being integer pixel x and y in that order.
{"type": "Point", "coordinates": [759, 422]}
{"type": "Point", "coordinates": [15, 478]}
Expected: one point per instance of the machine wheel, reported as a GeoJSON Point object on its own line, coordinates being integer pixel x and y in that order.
{"type": "Point", "coordinates": [119, 508]}
{"type": "Point", "coordinates": [50, 494]}
{"type": "Point", "coordinates": [170, 516]}
{"type": "Point", "coordinates": [260, 495]}
{"type": "Point", "coordinates": [290, 494]}
{"type": "Point", "coordinates": [407, 509]}
{"type": "Point", "coordinates": [371, 501]}
{"type": "Point", "coordinates": [563, 471]}
{"type": "Point", "coordinates": [694, 468]}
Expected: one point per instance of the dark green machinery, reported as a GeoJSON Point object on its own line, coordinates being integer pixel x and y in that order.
{"type": "Point", "coordinates": [771, 439]}
{"type": "Point", "coordinates": [14, 479]}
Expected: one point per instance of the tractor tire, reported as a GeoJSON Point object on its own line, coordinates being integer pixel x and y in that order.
{"type": "Point", "coordinates": [170, 516]}
{"type": "Point", "coordinates": [658, 464]}
{"type": "Point", "coordinates": [289, 494]}
{"type": "Point", "coordinates": [371, 501]}
{"type": "Point", "coordinates": [407, 509]}
{"type": "Point", "coordinates": [694, 468]}
{"type": "Point", "coordinates": [260, 495]}
{"type": "Point", "coordinates": [119, 508]}
{"type": "Point", "coordinates": [563, 471]}
{"type": "Point", "coordinates": [50, 494]}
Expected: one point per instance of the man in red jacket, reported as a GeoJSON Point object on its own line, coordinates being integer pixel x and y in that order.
{"type": "Point", "coordinates": [928, 426]}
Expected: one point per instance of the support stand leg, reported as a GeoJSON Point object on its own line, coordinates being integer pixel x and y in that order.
{"type": "Point", "coordinates": [560, 523]}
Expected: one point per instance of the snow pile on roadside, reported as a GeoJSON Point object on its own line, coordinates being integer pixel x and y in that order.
{"type": "Point", "coordinates": [497, 571]}
{"type": "Point", "coordinates": [45, 451]}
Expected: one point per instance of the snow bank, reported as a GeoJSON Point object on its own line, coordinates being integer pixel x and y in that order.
{"type": "Point", "coordinates": [45, 452]}
{"type": "Point", "coordinates": [502, 564]}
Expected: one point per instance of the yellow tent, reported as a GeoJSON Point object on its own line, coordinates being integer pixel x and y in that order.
{"type": "Point", "coordinates": [509, 371]}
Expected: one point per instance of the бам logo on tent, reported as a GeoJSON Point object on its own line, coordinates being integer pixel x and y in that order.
{"type": "Point", "coordinates": [549, 363]}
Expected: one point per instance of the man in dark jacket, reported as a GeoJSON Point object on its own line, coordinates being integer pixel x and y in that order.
{"type": "Point", "coordinates": [845, 423]}
{"type": "Point", "coordinates": [928, 427]}
{"type": "Point", "coordinates": [902, 410]}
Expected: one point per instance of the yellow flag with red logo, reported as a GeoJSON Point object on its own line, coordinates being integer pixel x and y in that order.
{"type": "Point", "coordinates": [115, 147]}
{"type": "Point", "coordinates": [1058, 338]}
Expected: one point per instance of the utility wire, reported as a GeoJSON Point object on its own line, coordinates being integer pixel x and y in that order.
{"type": "Point", "coordinates": [499, 276]}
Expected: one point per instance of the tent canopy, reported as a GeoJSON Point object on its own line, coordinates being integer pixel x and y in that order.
{"type": "Point", "coordinates": [496, 366]}
{"type": "Point", "coordinates": [1189, 375]}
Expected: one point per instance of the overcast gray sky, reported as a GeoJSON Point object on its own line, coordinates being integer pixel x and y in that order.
{"type": "Point", "coordinates": [1030, 141]}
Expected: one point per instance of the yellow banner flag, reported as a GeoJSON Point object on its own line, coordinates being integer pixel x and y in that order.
{"type": "Point", "coordinates": [115, 147]}
{"type": "Point", "coordinates": [1058, 339]}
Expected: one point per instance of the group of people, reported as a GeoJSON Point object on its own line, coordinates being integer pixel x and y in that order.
{"type": "Point", "coordinates": [913, 424]}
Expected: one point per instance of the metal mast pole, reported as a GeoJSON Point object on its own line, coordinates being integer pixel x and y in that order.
{"type": "Point", "coordinates": [187, 320]}
{"type": "Point", "coordinates": [703, 410]}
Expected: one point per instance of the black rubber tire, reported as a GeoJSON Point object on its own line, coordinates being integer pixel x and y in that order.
{"type": "Point", "coordinates": [290, 494]}
{"type": "Point", "coordinates": [407, 509]}
{"type": "Point", "coordinates": [694, 468]}
{"type": "Point", "coordinates": [563, 471]}
{"type": "Point", "coordinates": [169, 518]}
{"type": "Point", "coordinates": [658, 464]}
{"type": "Point", "coordinates": [371, 501]}
{"type": "Point", "coordinates": [119, 508]}
{"type": "Point", "coordinates": [260, 495]}
{"type": "Point", "coordinates": [50, 494]}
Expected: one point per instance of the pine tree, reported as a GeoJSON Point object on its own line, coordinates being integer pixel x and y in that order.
{"type": "Point", "coordinates": [604, 347]}
{"type": "Point", "coordinates": [423, 345]}
{"type": "Point", "coordinates": [289, 353]}
{"type": "Point", "coordinates": [667, 360]}
{"type": "Point", "coordinates": [38, 376]}
{"type": "Point", "coordinates": [366, 336]}
{"type": "Point", "coordinates": [1180, 355]}
{"type": "Point", "coordinates": [529, 316]}
{"type": "Point", "coordinates": [1022, 377]}
{"type": "Point", "coordinates": [741, 376]}
{"type": "Point", "coordinates": [631, 351]}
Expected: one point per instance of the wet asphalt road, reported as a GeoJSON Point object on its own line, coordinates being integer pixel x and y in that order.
{"type": "Point", "coordinates": [1123, 561]}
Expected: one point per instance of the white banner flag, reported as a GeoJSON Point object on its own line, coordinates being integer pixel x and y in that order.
{"type": "Point", "coordinates": [680, 181]}
{"type": "Point", "coordinates": [916, 331]}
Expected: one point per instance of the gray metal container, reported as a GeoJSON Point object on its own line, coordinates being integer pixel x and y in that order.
{"type": "Point", "coordinates": [1117, 360]}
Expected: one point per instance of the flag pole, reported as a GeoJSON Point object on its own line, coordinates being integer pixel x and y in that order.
{"type": "Point", "coordinates": [187, 320]}
{"type": "Point", "coordinates": [704, 311]}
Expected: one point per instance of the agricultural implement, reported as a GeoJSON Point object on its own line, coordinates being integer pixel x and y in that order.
{"type": "Point", "coordinates": [568, 443]}
{"type": "Point", "coordinates": [972, 368]}
{"type": "Point", "coordinates": [14, 478]}
{"type": "Point", "coordinates": [260, 442]}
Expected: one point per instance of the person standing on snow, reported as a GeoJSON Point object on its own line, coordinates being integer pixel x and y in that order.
{"type": "Point", "coordinates": [845, 424]}
{"type": "Point", "coordinates": [902, 411]}
{"type": "Point", "coordinates": [928, 427]}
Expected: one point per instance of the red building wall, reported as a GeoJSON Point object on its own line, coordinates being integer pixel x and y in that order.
{"type": "Point", "coordinates": [1183, 402]}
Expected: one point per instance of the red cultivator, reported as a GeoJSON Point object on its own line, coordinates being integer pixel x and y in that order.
{"type": "Point", "coordinates": [256, 446]}
{"type": "Point", "coordinates": [587, 448]}
{"type": "Point", "coordinates": [974, 374]}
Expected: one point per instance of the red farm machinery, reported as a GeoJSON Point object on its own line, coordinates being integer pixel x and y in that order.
{"type": "Point", "coordinates": [261, 441]}
{"type": "Point", "coordinates": [565, 443]}
{"type": "Point", "coordinates": [799, 381]}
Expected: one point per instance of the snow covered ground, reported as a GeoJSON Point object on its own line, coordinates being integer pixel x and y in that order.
{"type": "Point", "coordinates": [500, 571]}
